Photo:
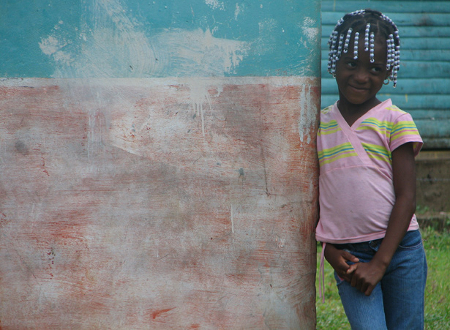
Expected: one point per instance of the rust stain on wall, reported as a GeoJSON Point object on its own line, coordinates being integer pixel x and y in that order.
{"type": "Point", "coordinates": [140, 203]}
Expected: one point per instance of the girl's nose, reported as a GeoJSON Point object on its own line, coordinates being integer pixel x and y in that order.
{"type": "Point", "coordinates": [361, 75]}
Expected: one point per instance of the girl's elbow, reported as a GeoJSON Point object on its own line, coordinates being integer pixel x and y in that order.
{"type": "Point", "coordinates": [408, 202]}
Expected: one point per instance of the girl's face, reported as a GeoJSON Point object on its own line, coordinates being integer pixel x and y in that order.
{"type": "Point", "coordinates": [359, 80]}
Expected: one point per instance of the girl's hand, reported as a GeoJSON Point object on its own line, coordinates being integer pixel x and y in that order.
{"type": "Point", "coordinates": [338, 260]}
{"type": "Point", "coordinates": [366, 276]}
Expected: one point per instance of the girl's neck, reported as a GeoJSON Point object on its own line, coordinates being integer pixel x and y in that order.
{"type": "Point", "coordinates": [352, 112]}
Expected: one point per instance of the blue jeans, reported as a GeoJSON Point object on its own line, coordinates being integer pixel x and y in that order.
{"type": "Point", "coordinates": [397, 302]}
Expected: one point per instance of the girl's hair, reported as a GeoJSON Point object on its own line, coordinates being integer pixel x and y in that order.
{"type": "Point", "coordinates": [367, 23]}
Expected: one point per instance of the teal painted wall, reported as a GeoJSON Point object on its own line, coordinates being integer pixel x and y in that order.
{"type": "Point", "coordinates": [423, 87]}
{"type": "Point", "coordinates": [99, 38]}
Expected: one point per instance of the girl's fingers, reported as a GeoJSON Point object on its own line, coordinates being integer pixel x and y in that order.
{"type": "Point", "coordinates": [350, 257]}
{"type": "Point", "coordinates": [369, 290]}
{"type": "Point", "coordinates": [353, 282]}
{"type": "Point", "coordinates": [352, 268]}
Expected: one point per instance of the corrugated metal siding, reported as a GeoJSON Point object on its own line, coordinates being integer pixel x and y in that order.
{"type": "Point", "coordinates": [423, 87]}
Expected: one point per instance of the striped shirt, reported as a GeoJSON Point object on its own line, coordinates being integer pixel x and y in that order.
{"type": "Point", "coordinates": [355, 183]}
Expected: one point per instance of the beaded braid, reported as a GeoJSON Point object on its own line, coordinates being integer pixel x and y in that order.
{"type": "Point", "coordinates": [373, 22]}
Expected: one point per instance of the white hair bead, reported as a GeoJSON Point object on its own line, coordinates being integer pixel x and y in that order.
{"type": "Point", "coordinates": [366, 37]}
{"type": "Point", "coordinates": [341, 41]}
{"type": "Point", "coordinates": [355, 46]}
{"type": "Point", "coordinates": [390, 52]}
{"type": "Point", "coordinates": [332, 54]}
{"type": "Point", "coordinates": [372, 47]}
{"type": "Point", "coordinates": [347, 39]}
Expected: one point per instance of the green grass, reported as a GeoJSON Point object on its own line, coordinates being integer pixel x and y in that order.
{"type": "Point", "coordinates": [437, 301]}
{"type": "Point", "coordinates": [331, 315]}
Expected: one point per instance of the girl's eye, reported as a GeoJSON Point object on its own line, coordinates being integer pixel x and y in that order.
{"type": "Point", "coordinates": [351, 64]}
{"type": "Point", "coordinates": [376, 69]}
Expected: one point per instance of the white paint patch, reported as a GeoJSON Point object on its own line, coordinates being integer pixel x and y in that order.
{"type": "Point", "coordinates": [51, 45]}
{"type": "Point", "coordinates": [215, 4]}
{"type": "Point", "coordinates": [158, 127]}
{"type": "Point", "coordinates": [266, 42]}
{"type": "Point", "coordinates": [280, 242]}
{"type": "Point", "coordinates": [119, 46]}
{"type": "Point", "coordinates": [135, 128]}
{"type": "Point", "coordinates": [115, 47]}
{"type": "Point", "coordinates": [199, 96]}
{"type": "Point", "coordinates": [237, 11]}
{"type": "Point", "coordinates": [309, 30]}
{"type": "Point", "coordinates": [308, 106]}
{"type": "Point", "coordinates": [309, 40]}
{"type": "Point", "coordinates": [198, 53]}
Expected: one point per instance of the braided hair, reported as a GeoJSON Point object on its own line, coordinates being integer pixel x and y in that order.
{"type": "Point", "coordinates": [366, 22]}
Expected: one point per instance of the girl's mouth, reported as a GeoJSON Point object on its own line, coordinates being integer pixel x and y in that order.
{"type": "Point", "coordinates": [358, 89]}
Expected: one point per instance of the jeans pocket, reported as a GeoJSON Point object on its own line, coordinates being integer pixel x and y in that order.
{"type": "Point", "coordinates": [411, 241]}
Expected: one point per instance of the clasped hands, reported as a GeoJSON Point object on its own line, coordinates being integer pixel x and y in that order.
{"type": "Point", "coordinates": [362, 275]}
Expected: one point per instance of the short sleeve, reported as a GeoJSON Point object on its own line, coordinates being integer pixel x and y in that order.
{"type": "Point", "coordinates": [405, 131]}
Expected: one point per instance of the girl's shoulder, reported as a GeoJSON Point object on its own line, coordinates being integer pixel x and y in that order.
{"type": "Point", "coordinates": [326, 110]}
{"type": "Point", "coordinates": [395, 110]}
{"type": "Point", "coordinates": [327, 114]}
{"type": "Point", "coordinates": [390, 112]}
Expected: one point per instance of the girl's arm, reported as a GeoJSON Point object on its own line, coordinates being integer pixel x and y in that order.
{"type": "Point", "coordinates": [367, 275]}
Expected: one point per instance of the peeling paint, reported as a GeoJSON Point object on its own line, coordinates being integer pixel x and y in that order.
{"type": "Point", "coordinates": [308, 118]}
{"type": "Point", "coordinates": [119, 207]}
{"type": "Point", "coordinates": [170, 53]}
{"type": "Point", "coordinates": [118, 46]}
{"type": "Point", "coordinates": [134, 127]}
{"type": "Point", "coordinates": [114, 41]}
{"type": "Point", "coordinates": [237, 11]}
{"type": "Point", "coordinates": [309, 29]}
{"type": "Point", "coordinates": [215, 4]}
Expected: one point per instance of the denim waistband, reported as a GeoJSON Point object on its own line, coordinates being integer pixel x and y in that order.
{"type": "Point", "coordinates": [362, 247]}
{"type": "Point", "coordinates": [370, 245]}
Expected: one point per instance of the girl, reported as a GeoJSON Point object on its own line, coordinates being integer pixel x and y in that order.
{"type": "Point", "coordinates": [366, 152]}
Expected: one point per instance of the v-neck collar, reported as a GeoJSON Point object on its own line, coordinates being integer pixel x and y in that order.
{"type": "Point", "coordinates": [351, 131]}
{"type": "Point", "coordinates": [343, 123]}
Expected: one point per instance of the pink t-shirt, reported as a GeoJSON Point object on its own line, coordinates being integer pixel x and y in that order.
{"type": "Point", "coordinates": [355, 183]}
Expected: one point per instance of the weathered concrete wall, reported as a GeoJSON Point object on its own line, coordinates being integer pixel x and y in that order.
{"type": "Point", "coordinates": [158, 170]}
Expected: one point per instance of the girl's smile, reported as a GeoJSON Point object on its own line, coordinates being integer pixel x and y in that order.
{"type": "Point", "coordinates": [358, 90]}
